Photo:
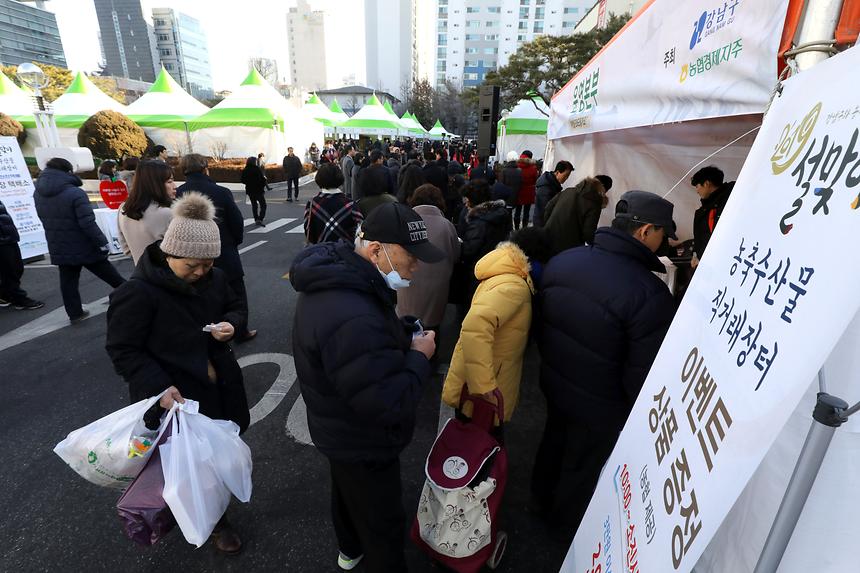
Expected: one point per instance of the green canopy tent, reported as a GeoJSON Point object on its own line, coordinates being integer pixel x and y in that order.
{"type": "Point", "coordinates": [316, 109]}
{"type": "Point", "coordinates": [254, 118]}
{"type": "Point", "coordinates": [524, 127]}
{"type": "Point", "coordinates": [372, 119]}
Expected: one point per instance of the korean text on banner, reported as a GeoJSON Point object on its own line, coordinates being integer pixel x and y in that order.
{"type": "Point", "coordinates": [765, 309]}
{"type": "Point", "coordinates": [16, 192]}
{"type": "Point", "coordinates": [677, 61]}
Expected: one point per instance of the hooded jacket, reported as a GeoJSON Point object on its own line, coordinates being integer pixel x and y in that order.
{"type": "Point", "coordinates": [708, 215]}
{"type": "Point", "coordinates": [155, 337]}
{"type": "Point", "coordinates": [231, 223]}
{"type": "Point", "coordinates": [489, 353]}
{"type": "Point", "coordinates": [546, 188]}
{"type": "Point", "coordinates": [73, 236]}
{"type": "Point", "coordinates": [359, 377]}
{"type": "Point", "coordinates": [512, 176]}
{"type": "Point", "coordinates": [603, 318]}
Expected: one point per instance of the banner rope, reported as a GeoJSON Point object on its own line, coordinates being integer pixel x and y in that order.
{"type": "Point", "coordinates": [729, 144]}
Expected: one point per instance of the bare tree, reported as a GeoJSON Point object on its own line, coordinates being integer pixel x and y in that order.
{"type": "Point", "coordinates": [267, 67]}
{"type": "Point", "coordinates": [218, 150]}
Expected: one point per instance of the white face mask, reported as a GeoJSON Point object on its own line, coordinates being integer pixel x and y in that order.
{"type": "Point", "coordinates": [393, 279]}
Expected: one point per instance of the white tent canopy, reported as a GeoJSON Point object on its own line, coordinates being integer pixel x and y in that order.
{"type": "Point", "coordinates": [647, 124]}
{"type": "Point", "coordinates": [372, 119]}
{"type": "Point", "coordinates": [524, 127]}
{"type": "Point", "coordinates": [14, 101]}
{"type": "Point", "coordinates": [316, 109]}
{"type": "Point", "coordinates": [253, 119]}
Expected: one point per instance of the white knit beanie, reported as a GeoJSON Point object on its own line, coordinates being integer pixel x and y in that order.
{"type": "Point", "coordinates": [192, 233]}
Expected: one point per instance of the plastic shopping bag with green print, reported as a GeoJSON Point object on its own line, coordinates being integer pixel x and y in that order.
{"type": "Point", "coordinates": [111, 451]}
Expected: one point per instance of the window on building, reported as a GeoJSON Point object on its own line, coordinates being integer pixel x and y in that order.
{"type": "Point", "coordinates": [540, 2]}
{"type": "Point", "coordinates": [470, 76]}
{"type": "Point", "coordinates": [494, 9]}
{"type": "Point", "coordinates": [163, 37]}
{"type": "Point", "coordinates": [571, 10]}
{"type": "Point", "coordinates": [159, 22]}
{"type": "Point", "coordinates": [523, 26]}
{"type": "Point", "coordinates": [443, 25]}
{"type": "Point", "coordinates": [524, 2]}
{"type": "Point", "coordinates": [491, 51]}
{"type": "Point", "coordinates": [441, 66]}
{"type": "Point", "coordinates": [490, 23]}
{"type": "Point", "coordinates": [168, 67]}
{"type": "Point", "coordinates": [473, 23]}
{"type": "Point", "coordinates": [471, 50]}
{"type": "Point", "coordinates": [165, 51]}
{"type": "Point", "coordinates": [473, 10]}
{"type": "Point", "coordinates": [524, 13]}
{"type": "Point", "coordinates": [473, 37]}
{"type": "Point", "coordinates": [440, 52]}
{"type": "Point", "coordinates": [539, 13]}
{"type": "Point", "coordinates": [443, 2]}
{"type": "Point", "coordinates": [470, 63]}
{"type": "Point", "coordinates": [568, 25]}
{"type": "Point", "coordinates": [538, 28]}
{"type": "Point", "coordinates": [442, 40]}
{"type": "Point", "coordinates": [491, 37]}
{"type": "Point", "coordinates": [443, 11]}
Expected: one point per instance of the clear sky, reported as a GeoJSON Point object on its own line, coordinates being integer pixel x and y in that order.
{"type": "Point", "coordinates": [235, 31]}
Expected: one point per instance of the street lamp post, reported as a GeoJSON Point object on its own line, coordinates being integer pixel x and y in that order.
{"type": "Point", "coordinates": [34, 78]}
{"type": "Point", "coordinates": [80, 157]}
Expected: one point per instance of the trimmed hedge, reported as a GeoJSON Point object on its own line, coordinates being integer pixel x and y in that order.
{"type": "Point", "coordinates": [111, 135]}
{"type": "Point", "coordinates": [11, 127]}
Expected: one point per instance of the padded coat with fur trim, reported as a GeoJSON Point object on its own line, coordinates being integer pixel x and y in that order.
{"type": "Point", "coordinates": [493, 338]}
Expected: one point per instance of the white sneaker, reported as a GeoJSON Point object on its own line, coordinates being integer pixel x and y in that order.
{"type": "Point", "coordinates": [347, 563]}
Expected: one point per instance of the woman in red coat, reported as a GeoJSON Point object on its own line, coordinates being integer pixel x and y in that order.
{"type": "Point", "coordinates": [526, 197]}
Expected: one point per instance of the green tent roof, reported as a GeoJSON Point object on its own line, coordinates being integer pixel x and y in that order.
{"type": "Point", "coordinates": [254, 79]}
{"type": "Point", "coordinates": [335, 107]}
{"type": "Point", "coordinates": [79, 85]}
{"type": "Point", "coordinates": [228, 116]}
{"type": "Point", "coordinates": [314, 99]}
{"type": "Point", "coordinates": [164, 83]}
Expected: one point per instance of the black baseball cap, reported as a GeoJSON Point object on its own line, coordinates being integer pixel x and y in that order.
{"type": "Point", "coordinates": [398, 224]}
{"type": "Point", "coordinates": [646, 207]}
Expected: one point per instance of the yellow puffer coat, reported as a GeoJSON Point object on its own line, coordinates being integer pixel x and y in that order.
{"type": "Point", "coordinates": [493, 339]}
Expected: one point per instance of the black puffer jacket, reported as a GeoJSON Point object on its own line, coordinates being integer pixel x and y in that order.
{"type": "Point", "coordinates": [292, 167]}
{"type": "Point", "coordinates": [546, 188]}
{"type": "Point", "coordinates": [8, 231]}
{"type": "Point", "coordinates": [359, 378]}
{"type": "Point", "coordinates": [708, 215]}
{"type": "Point", "coordinates": [155, 337]}
{"type": "Point", "coordinates": [231, 224]}
{"type": "Point", "coordinates": [73, 236]}
{"type": "Point", "coordinates": [512, 176]}
{"type": "Point", "coordinates": [484, 227]}
{"type": "Point", "coordinates": [603, 317]}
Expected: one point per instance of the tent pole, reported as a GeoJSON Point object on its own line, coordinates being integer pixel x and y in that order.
{"type": "Point", "coordinates": [818, 25]}
{"type": "Point", "coordinates": [187, 137]}
{"type": "Point", "coordinates": [829, 414]}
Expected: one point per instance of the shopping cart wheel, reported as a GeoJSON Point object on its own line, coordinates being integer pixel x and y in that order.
{"type": "Point", "coordinates": [498, 550]}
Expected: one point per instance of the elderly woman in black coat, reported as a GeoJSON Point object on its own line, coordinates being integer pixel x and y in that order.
{"type": "Point", "coordinates": [170, 325]}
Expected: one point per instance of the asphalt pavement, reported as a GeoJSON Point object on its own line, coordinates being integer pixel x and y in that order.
{"type": "Point", "coordinates": [56, 377]}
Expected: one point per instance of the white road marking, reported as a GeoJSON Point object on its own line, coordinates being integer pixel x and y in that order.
{"type": "Point", "coordinates": [277, 224]}
{"type": "Point", "coordinates": [297, 229]}
{"type": "Point", "coordinates": [297, 423]}
{"type": "Point", "coordinates": [48, 323]}
{"type": "Point", "coordinates": [284, 381]}
{"type": "Point", "coordinates": [253, 246]}
{"type": "Point", "coordinates": [249, 221]}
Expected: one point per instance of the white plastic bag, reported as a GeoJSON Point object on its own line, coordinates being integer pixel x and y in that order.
{"type": "Point", "coordinates": [99, 452]}
{"type": "Point", "coordinates": [203, 461]}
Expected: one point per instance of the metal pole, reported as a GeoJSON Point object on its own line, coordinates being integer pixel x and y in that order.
{"type": "Point", "coordinates": [829, 414]}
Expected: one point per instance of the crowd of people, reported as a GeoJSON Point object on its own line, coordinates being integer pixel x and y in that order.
{"type": "Point", "coordinates": [393, 236]}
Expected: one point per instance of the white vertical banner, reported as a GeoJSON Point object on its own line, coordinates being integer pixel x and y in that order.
{"type": "Point", "coordinates": [770, 299]}
{"type": "Point", "coordinates": [16, 192]}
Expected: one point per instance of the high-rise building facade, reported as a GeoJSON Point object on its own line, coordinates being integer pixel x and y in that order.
{"type": "Point", "coordinates": [29, 34]}
{"type": "Point", "coordinates": [182, 49]}
{"type": "Point", "coordinates": [474, 37]}
{"type": "Point", "coordinates": [306, 47]}
{"type": "Point", "coordinates": [389, 29]}
{"type": "Point", "coordinates": [128, 41]}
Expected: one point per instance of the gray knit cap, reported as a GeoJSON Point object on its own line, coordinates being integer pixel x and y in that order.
{"type": "Point", "coordinates": [192, 233]}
